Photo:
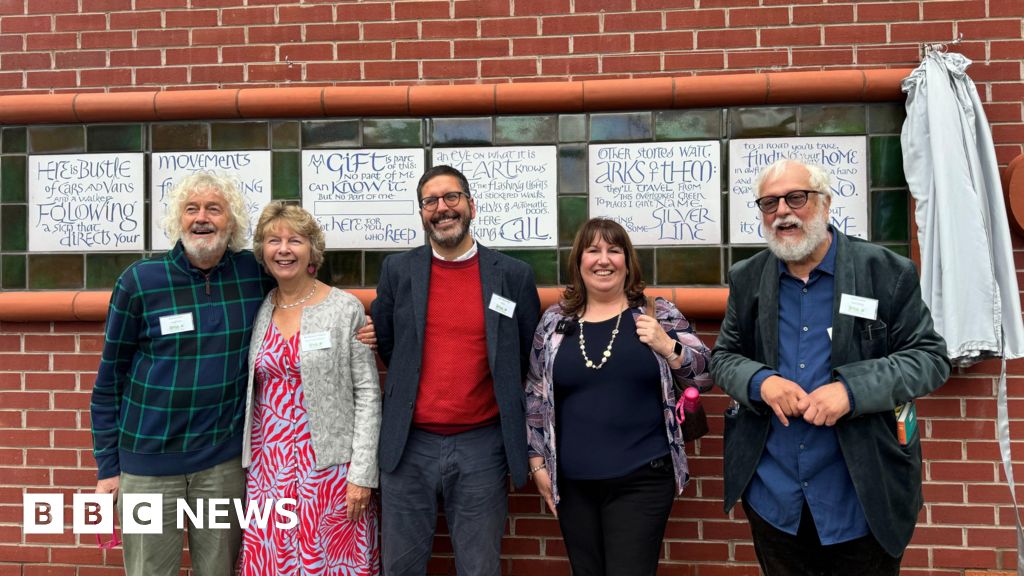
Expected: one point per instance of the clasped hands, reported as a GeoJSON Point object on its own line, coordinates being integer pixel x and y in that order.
{"type": "Point", "coordinates": [825, 405]}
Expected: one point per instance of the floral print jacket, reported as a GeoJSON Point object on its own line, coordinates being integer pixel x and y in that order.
{"type": "Point", "coordinates": [540, 397]}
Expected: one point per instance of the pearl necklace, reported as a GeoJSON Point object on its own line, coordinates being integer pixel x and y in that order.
{"type": "Point", "coordinates": [608, 349]}
{"type": "Point", "coordinates": [296, 303]}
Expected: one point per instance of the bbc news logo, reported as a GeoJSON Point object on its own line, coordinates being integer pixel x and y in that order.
{"type": "Point", "coordinates": [144, 513]}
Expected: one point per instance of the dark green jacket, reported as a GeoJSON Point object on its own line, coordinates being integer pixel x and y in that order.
{"type": "Point", "coordinates": [885, 362]}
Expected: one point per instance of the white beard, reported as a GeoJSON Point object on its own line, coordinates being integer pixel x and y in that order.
{"type": "Point", "coordinates": [815, 232]}
{"type": "Point", "coordinates": [205, 249]}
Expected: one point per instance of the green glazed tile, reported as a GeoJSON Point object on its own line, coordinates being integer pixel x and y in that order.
{"type": "Point", "coordinates": [832, 119]}
{"type": "Point", "coordinates": [330, 134]}
{"type": "Point", "coordinates": [572, 127]}
{"type": "Point", "coordinates": [15, 141]}
{"type": "Point", "coordinates": [284, 175]}
{"type": "Point", "coordinates": [461, 131]}
{"type": "Point", "coordinates": [740, 253]}
{"type": "Point", "coordinates": [525, 130]}
{"type": "Point", "coordinates": [887, 117]}
{"type": "Point", "coordinates": [13, 235]}
{"type": "Point", "coordinates": [55, 271]}
{"type": "Point", "coordinates": [53, 139]}
{"type": "Point", "coordinates": [284, 134]}
{"type": "Point", "coordinates": [689, 266]}
{"type": "Point", "coordinates": [620, 127]}
{"type": "Point", "coordinates": [890, 216]}
{"type": "Point", "coordinates": [115, 137]}
{"type": "Point", "coordinates": [543, 262]}
{"type": "Point", "coordinates": [563, 266]}
{"type": "Point", "coordinates": [887, 162]}
{"type": "Point", "coordinates": [180, 137]}
{"type": "Point", "coordinates": [688, 124]}
{"type": "Point", "coordinates": [645, 257]}
{"type": "Point", "coordinates": [102, 270]}
{"type": "Point", "coordinates": [901, 249]}
{"type": "Point", "coordinates": [239, 135]}
{"type": "Point", "coordinates": [12, 179]}
{"type": "Point", "coordinates": [572, 169]}
{"type": "Point", "coordinates": [373, 260]}
{"type": "Point", "coordinates": [13, 272]}
{"type": "Point", "coordinates": [342, 268]}
{"type": "Point", "coordinates": [393, 133]}
{"type": "Point", "coordinates": [762, 122]}
{"type": "Point", "coordinates": [572, 213]}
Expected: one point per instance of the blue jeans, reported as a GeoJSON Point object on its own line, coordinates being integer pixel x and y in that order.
{"type": "Point", "coordinates": [469, 472]}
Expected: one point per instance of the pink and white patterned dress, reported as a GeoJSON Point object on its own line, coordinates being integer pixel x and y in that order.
{"type": "Point", "coordinates": [325, 542]}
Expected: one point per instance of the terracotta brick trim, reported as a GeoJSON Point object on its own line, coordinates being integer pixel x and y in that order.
{"type": "Point", "coordinates": [551, 97]}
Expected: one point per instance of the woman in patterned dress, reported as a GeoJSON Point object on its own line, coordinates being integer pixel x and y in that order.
{"type": "Point", "coordinates": [312, 415]}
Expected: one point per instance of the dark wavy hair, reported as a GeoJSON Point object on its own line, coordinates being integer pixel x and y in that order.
{"type": "Point", "coordinates": [574, 297]}
{"type": "Point", "coordinates": [441, 170]}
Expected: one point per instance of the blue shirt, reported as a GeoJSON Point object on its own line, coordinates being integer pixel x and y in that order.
{"type": "Point", "coordinates": [803, 462]}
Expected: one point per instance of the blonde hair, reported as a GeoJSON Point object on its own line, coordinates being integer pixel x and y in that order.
{"type": "Point", "coordinates": [204, 181]}
{"type": "Point", "coordinates": [299, 220]}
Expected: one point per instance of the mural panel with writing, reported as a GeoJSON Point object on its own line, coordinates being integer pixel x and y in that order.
{"type": "Point", "coordinates": [364, 198]}
{"type": "Point", "coordinates": [86, 203]}
{"type": "Point", "coordinates": [514, 188]}
{"type": "Point", "coordinates": [843, 156]}
{"type": "Point", "coordinates": [249, 169]}
{"type": "Point", "coordinates": [666, 193]}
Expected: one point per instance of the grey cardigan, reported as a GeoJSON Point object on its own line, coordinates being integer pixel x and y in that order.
{"type": "Point", "coordinates": [340, 385]}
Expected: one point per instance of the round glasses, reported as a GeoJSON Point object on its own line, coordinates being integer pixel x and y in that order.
{"type": "Point", "coordinates": [794, 199]}
{"type": "Point", "coordinates": [451, 200]}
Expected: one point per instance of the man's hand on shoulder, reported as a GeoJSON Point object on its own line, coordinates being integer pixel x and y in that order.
{"type": "Point", "coordinates": [783, 396]}
{"type": "Point", "coordinates": [826, 405]}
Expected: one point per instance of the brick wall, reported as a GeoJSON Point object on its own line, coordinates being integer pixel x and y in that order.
{"type": "Point", "coordinates": [47, 369]}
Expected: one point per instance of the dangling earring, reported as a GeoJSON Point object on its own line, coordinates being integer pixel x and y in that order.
{"type": "Point", "coordinates": [311, 269]}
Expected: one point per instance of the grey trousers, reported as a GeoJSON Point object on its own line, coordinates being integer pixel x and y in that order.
{"type": "Point", "coordinates": [469, 472]}
{"type": "Point", "coordinates": [214, 551]}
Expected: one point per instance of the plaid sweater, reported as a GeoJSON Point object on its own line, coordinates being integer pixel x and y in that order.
{"type": "Point", "coordinates": [170, 399]}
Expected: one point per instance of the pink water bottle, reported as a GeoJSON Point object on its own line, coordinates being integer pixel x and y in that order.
{"type": "Point", "coordinates": [694, 421]}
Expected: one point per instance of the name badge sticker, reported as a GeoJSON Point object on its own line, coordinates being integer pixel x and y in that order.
{"type": "Point", "coordinates": [316, 341]}
{"type": "Point", "coordinates": [858, 306]}
{"type": "Point", "coordinates": [502, 305]}
{"type": "Point", "coordinates": [176, 324]}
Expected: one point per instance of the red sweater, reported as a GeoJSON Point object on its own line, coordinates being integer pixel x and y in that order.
{"type": "Point", "coordinates": [456, 390]}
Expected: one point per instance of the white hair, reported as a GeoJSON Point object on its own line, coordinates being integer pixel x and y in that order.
{"type": "Point", "coordinates": [819, 178]}
{"type": "Point", "coordinates": [201, 181]}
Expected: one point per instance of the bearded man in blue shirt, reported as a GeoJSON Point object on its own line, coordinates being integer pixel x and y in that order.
{"type": "Point", "coordinates": [824, 337]}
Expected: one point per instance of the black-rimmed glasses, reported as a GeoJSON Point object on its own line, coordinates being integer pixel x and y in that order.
{"type": "Point", "coordinates": [794, 199]}
{"type": "Point", "coordinates": [451, 200]}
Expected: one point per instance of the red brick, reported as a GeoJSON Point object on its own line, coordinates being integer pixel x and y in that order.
{"type": "Point", "coordinates": [190, 56]}
{"type": "Point", "coordinates": [791, 36]}
{"type": "Point", "coordinates": [251, 15]}
{"type": "Point", "coordinates": [18, 362]}
{"type": "Point", "coordinates": [888, 12]}
{"type": "Point", "coordinates": [953, 10]}
{"type": "Point", "coordinates": [104, 77]}
{"type": "Point", "coordinates": [74, 477]}
{"type": "Point", "coordinates": [22, 553]}
{"type": "Point", "coordinates": [664, 4]}
{"type": "Point", "coordinates": [135, 20]}
{"type": "Point", "coordinates": [823, 14]}
{"type": "Point", "coordinates": [390, 30]}
{"type": "Point", "coordinates": [423, 49]}
{"type": "Point", "coordinates": [962, 515]}
{"type": "Point", "coordinates": [920, 31]}
{"type": "Point", "coordinates": [274, 72]}
{"type": "Point", "coordinates": [963, 558]}
{"type": "Point", "coordinates": [145, 38]}
{"type": "Point", "coordinates": [215, 3]}
{"type": "Point", "coordinates": [81, 362]}
{"type": "Point", "coordinates": [11, 418]}
{"type": "Point", "coordinates": [25, 24]}
{"type": "Point", "coordinates": [244, 54]}
{"type": "Point", "coordinates": [570, 25]}
{"type": "Point", "coordinates": [105, 5]}
{"type": "Point", "coordinates": [82, 557]}
{"type": "Point", "coordinates": [1006, 49]}
{"type": "Point", "coordinates": [190, 18]}
{"type": "Point", "coordinates": [24, 438]}
{"type": "Point", "coordinates": [632, 22]}
{"type": "Point", "coordinates": [306, 52]}
{"type": "Point", "coordinates": [466, 68]}
{"type": "Point", "coordinates": [12, 457]}
{"type": "Point", "coordinates": [508, 27]}
{"type": "Point", "coordinates": [216, 74]}
{"type": "Point", "coordinates": [630, 63]}
{"type": "Point", "coordinates": [1002, 112]}
{"type": "Point", "coordinates": [51, 6]}
{"type": "Point", "coordinates": [362, 51]}
{"type": "Point", "coordinates": [963, 429]}
{"type": "Point", "coordinates": [508, 67]}
{"type": "Point", "coordinates": [569, 66]}
{"type": "Point", "coordinates": [481, 48]}
{"type": "Point", "coordinates": [167, 75]}
{"type": "Point", "coordinates": [726, 39]}
{"type": "Point", "coordinates": [332, 32]}
{"type": "Point", "coordinates": [481, 8]}
{"type": "Point", "coordinates": [78, 327]}
{"type": "Point", "coordinates": [39, 343]}
{"type": "Point", "coordinates": [540, 46]}
{"type": "Point", "coordinates": [80, 22]}
{"type": "Point", "coordinates": [857, 34]}
{"type": "Point", "coordinates": [364, 12]}
{"type": "Point", "coordinates": [25, 476]}
{"type": "Point", "coordinates": [12, 7]}
{"type": "Point", "coordinates": [72, 438]}
{"type": "Point", "coordinates": [274, 34]}
{"type": "Point", "coordinates": [390, 70]}
{"type": "Point", "coordinates": [992, 537]}
{"type": "Point", "coordinates": [448, 29]}
{"type": "Point", "coordinates": [990, 28]}
{"type": "Point", "coordinates": [695, 61]}
{"type": "Point", "coordinates": [51, 457]}
{"type": "Point", "coordinates": [218, 36]}
{"type": "Point", "coordinates": [758, 58]}
{"type": "Point", "coordinates": [961, 471]}
{"type": "Point", "coordinates": [51, 419]}
{"type": "Point", "coordinates": [72, 60]}
{"type": "Point", "coordinates": [1000, 8]}
{"type": "Point", "coordinates": [417, 10]}
{"type": "Point", "coordinates": [540, 7]}
{"type": "Point", "coordinates": [662, 41]}
{"type": "Point", "coordinates": [985, 494]}
{"type": "Point", "coordinates": [333, 72]}
{"type": "Point", "coordinates": [59, 41]}
{"type": "Point", "coordinates": [600, 44]}
{"type": "Point", "coordinates": [58, 79]}
{"type": "Point", "coordinates": [740, 17]}
{"type": "Point", "coordinates": [942, 450]}
{"type": "Point", "coordinates": [698, 551]}
{"type": "Point", "coordinates": [303, 14]}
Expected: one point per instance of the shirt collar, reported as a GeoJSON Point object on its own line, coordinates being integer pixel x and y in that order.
{"type": "Point", "coordinates": [827, 264]}
{"type": "Point", "coordinates": [465, 255]}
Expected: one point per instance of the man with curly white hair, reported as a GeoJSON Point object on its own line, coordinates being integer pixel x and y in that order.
{"type": "Point", "coordinates": [168, 403]}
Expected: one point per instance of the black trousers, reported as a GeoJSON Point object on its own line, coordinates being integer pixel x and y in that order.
{"type": "Point", "coordinates": [615, 527]}
{"type": "Point", "coordinates": [782, 554]}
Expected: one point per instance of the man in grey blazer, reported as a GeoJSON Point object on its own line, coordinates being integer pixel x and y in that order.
{"type": "Point", "coordinates": [824, 337]}
{"type": "Point", "coordinates": [454, 324]}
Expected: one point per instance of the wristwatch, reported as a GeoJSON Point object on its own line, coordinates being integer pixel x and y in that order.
{"type": "Point", "coordinates": [677, 351]}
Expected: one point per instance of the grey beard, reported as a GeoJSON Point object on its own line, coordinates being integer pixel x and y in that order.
{"type": "Point", "coordinates": [452, 240]}
{"type": "Point", "coordinates": [206, 250]}
{"type": "Point", "coordinates": [815, 232]}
